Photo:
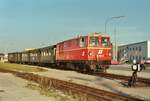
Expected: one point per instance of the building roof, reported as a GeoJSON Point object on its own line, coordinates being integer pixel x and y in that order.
{"type": "Point", "coordinates": [2, 54]}
{"type": "Point", "coordinates": [134, 43]}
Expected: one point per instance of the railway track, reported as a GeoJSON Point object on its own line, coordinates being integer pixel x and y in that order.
{"type": "Point", "coordinates": [84, 93]}
{"type": "Point", "coordinates": [122, 77]}
{"type": "Point", "coordinates": [118, 77]}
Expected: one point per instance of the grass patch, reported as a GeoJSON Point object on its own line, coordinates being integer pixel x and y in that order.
{"type": "Point", "coordinates": [49, 92]}
{"type": "Point", "coordinates": [20, 67]}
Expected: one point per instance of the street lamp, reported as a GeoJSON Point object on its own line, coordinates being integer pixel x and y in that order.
{"type": "Point", "coordinates": [111, 18]}
{"type": "Point", "coordinates": [106, 22]}
{"type": "Point", "coordinates": [115, 53]}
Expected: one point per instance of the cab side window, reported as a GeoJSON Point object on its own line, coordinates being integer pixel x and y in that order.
{"type": "Point", "coordinates": [82, 42]}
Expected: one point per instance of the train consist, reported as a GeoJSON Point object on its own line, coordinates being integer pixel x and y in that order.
{"type": "Point", "coordinates": [85, 53]}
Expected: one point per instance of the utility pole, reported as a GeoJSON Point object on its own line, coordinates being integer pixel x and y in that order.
{"type": "Point", "coordinates": [115, 53]}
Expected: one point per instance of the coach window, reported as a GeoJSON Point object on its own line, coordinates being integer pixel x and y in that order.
{"type": "Point", "coordinates": [49, 53]}
{"type": "Point", "coordinates": [44, 53]}
{"type": "Point", "coordinates": [82, 42]}
{"type": "Point", "coordinates": [94, 42]}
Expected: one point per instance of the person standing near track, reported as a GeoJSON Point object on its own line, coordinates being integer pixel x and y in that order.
{"type": "Point", "coordinates": [136, 67]}
{"type": "Point", "coordinates": [133, 79]}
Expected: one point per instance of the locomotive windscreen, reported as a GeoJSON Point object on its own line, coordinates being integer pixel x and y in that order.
{"type": "Point", "coordinates": [105, 41]}
{"type": "Point", "coordinates": [94, 42]}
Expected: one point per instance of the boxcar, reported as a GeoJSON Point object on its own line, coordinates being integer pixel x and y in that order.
{"type": "Point", "coordinates": [13, 57]}
{"type": "Point", "coordinates": [19, 58]}
{"type": "Point", "coordinates": [25, 57]}
{"type": "Point", "coordinates": [48, 55]}
{"type": "Point", "coordinates": [35, 56]}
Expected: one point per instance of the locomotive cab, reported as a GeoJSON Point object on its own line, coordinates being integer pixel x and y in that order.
{"type": "Point", "coordinates": [99, 47]}
{"type": "Point", "coordinates": [99, 52]}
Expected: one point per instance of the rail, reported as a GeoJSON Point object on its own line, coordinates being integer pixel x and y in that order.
{"type": "Point", "coordinates": [122, 77]}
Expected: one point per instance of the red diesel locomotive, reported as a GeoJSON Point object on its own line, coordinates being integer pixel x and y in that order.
{"type": "Point", "coordinates": [85, 53]}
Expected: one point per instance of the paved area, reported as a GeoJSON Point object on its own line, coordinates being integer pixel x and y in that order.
{"type": "Point", "coordinates": [125, 69]}
{"type": "Point", "coordinates": [13, 89]}
{"type": "Point", "coordinates": [98, 82]}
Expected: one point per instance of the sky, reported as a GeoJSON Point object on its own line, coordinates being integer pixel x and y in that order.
{"type": "Point", "coordinates": [39, 23]}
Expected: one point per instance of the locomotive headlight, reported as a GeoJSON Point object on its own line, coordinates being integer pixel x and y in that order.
{"type": "Point", "coordinates": [90, 53]}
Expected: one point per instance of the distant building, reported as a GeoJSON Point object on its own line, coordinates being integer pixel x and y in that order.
{"type": "Point", "coordinates": [136, 51]}
{"type": "Point", "coordinates": [2, 56]}
{"type": "Point", "coordinates": [28, 49]}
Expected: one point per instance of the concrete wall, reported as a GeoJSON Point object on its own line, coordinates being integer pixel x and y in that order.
{"type": "Point", "coordinates": [136, 51]}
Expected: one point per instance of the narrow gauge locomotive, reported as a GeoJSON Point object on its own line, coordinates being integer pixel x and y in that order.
{"type": "Point", "coordinates": [85, 53]}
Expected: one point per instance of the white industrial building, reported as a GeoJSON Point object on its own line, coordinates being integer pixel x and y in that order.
{"type": "Point", "coordinates": [3, 57]}
{"type": "Point", "coordinates": [136, 51]}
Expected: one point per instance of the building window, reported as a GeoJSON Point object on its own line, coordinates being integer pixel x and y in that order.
{"type": "Point", "coordinates": [139, 57]}
{"type": "Point", "coordinates": [130, 58]}
{"type": "Point", "coordinates": [140, 48]}
{"type": "Point", "coordinates": [136, 57]}
{"type": "Point", "coordinates": [136, 48]}
{"type": "Point", "coordinates": [127, 48]}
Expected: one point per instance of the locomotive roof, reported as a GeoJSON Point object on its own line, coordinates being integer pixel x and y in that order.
{"type": "Point", "coordinates": [90, 34]}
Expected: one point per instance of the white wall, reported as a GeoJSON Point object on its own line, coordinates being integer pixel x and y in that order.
{"type": "Point", "coordinates": [130, 54]}
{"type": "Point", "coordinates": [148, 49]}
